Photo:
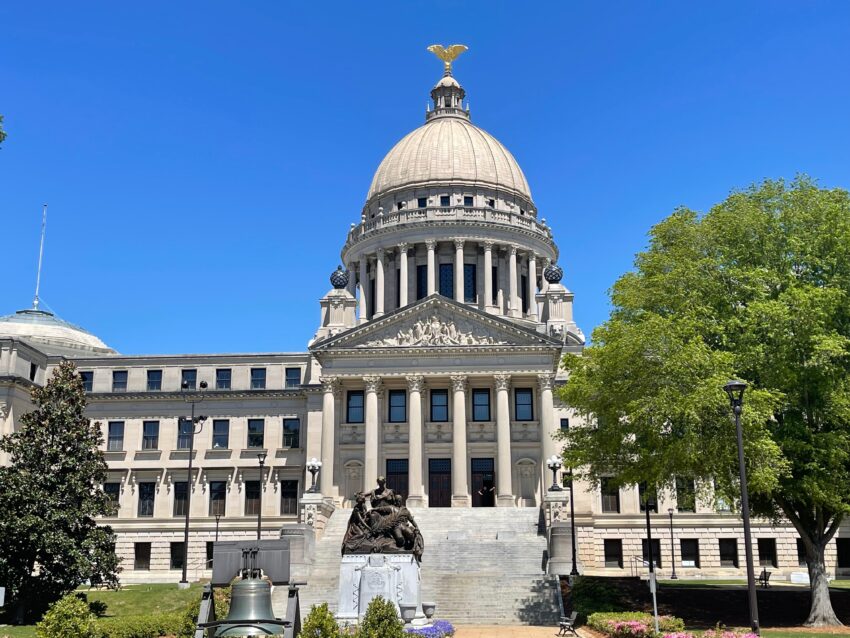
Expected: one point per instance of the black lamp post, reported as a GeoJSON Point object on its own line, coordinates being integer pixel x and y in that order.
{"type": "Point", "coordinates": [735, 390]}
{"type": "Point", "coordinates": [314, 466]}
{"type": "Point", "coordinates": [217, 519]}
{"type": "Point", "coordinates": [672, 547]}
{"type": "Point", "coordinates": [554, 463]}
{"type": "Point", "coordinates": [261, 457]}
{"type": "Point", "coordinates": [651, 504]}
{"type": "Point", "coordinates": [192, 398]}
{"type": "Point", "coordinates": [574, 570]}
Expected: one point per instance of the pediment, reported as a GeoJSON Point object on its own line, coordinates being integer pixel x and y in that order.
{"type": "Point", "coordinates": [436, 322]}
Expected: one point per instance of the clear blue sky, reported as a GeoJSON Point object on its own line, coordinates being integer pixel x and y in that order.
{"type": "Point", "coordinates": [203, 160]}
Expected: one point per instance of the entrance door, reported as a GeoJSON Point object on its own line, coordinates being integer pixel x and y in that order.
{"type": "Point", "coordinates": [483, 483]}
{"type": "Point", "coordinates": [397, 477]}
{"type": "Point", "coordinates": [439, 482]}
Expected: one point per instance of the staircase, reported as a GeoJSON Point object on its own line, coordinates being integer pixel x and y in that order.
{"type": "Point", "coordinates": [480, 566]}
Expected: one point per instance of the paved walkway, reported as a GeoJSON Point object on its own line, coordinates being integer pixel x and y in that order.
{"type": "Point", "coordinates": [508, 631]}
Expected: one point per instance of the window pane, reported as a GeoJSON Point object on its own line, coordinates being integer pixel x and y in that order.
{"type": "Point", "coordinates": [180, 492]}
{"type": "Point", "coordinates": [644, 499]}
{"type": "Point", "coordinates": [728, 552]}
{"type": "Point", "coordinates": [113, 493]}
{"type": "Point", "coordinates": [154, 380]}
{"type": "Point", "coordinates": [210, 551]}
{"type": "Point", "coordinates": [119, 380]}
{"type": "Point", "coordinates": [468, 200]}
{"type": "Point", "coordinates": [439, 405]}
{"type": "Point", "coordinates": [685, 495]}
{"type": "Point", "coordinates": [177, 555]}
{"type": "Point", "coordinates": [184, 434]}
{"type": "Point", "coordinates": [523, 293]}
{"type": "Point", "coordinates": [610, 496]}
{"type": "Point", "coordinates": [222, 379]}
{"type": "Point", "coordinates": [421, 281]}
{"type": "Point", "coordinates": [150, 435]}
{"type": "Point", "coordinates": [252, 498]}
{"type": "Point", "coordinates": [189, 378]}
{"type": "Point", "coordinates": [88, 380]}
{"type": "Point", "coordinates": [767, 552]}
{"type": "Point", "coordinates": [293, 377]}
{"type": "Point", "coordinates": [258, 378]}
{"type": "Point", "coordinates": [421, 202]}
{"type": "Point", "coordinates": [690, 552]}
{"type": "Point", "coordinates": [470, 281]}
{"type": "Point", "coordinates": [523, 404]}
{"type": "Point", "coordinates": [147, 492]}
{"type": "Point", "coordinates": [256, 430]}
{"type": "Point", "coordinates": [495, 276]}
{"type": "Point", "coordinates": [115, 439]}
{"type": "Point", "coordinates": [444, 200]}
{"type": "Point", "coordinates": [142, 556]}
{"type": "Point", "coordinates": [221, 434]}
{"type": "Point", "coordinates": [447, 280]}
{"type": "Point", "coordinates": [218, 497]}
{"type": "Point", "coordinates": [289, 497]}
{"type": "Point", "coordinates": [354, 409]}
{"type": "Point", "coordinates": [656, 552]}
{"type": "Point", "coordinates": [398, 406]}
{"type": "Point", "coordinates": [481, 405]}
{"type": "Point", "coordinates": [613, 552]}
{"type": "Point", "coordinates": [291, 433]}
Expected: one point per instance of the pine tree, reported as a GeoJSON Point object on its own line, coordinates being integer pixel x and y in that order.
{"type": "Point", "coordinates": [50, 497]}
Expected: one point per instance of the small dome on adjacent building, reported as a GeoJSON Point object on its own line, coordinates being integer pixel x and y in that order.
{"type": "Point", "coordinates": [51, 334]}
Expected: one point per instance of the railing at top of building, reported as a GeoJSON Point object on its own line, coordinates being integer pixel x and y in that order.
{"type": "Point", "coordinates": [448, 213]}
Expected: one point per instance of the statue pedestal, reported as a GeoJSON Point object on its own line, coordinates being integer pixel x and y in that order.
{"type": "Point", "coordinates": [363, 577]}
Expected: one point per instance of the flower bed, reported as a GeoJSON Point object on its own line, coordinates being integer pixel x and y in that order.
{"type": "Point", "coordinates": [437, 629]}
{"type": "Point", "coordinates": [636, 625]}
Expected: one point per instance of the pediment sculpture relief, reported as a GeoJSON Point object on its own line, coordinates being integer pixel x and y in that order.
{"type": "Point", "coordinates": [434, 332]}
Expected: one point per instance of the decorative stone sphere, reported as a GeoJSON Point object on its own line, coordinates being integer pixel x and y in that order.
{"type": "Point", "coordinates": [553, 273]}
{"type": "Point", "coordinates": [339, 278]}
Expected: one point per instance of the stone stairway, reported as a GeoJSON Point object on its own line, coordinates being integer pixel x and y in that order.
{"type": "Point", "coordinates": [480, 566]}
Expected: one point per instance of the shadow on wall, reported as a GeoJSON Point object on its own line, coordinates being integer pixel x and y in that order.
{"type": "Point", "coordinates": [541, 607]}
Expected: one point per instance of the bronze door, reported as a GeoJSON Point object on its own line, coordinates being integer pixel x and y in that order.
{"type": "Point", "coordinates": [483, 483]}
{"type": "Point", "coordinates": [439, 482]}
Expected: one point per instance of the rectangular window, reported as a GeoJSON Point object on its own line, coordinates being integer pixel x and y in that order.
{"type": "Point", "coordinates": [222, 379]}
{"type": "Point", "coordinates": [177, 555]}
{"type": "Point", "coordinates": [184, 433]}
{"type": "Point", "coordinates": [142, 556]}
{"type": "Point", "coordinates": [421, 281]}
{"type": "Point", "coordinates": [398, 288]}
{"type": "Point", "coordinates": [647, 498]}
{"type": "Point", "coordinates": [398, 406]}
{"type": "Point", "coordinates": [293, 377]}
{"type": "Point", "coordinates": [610, 496]}
{"type": "Point", "coordinates": [565, 425]}
{"type": "Point", "coordinates": [180, 496]}
{"type": "Point", "coordinates": [289, 497]}
{"type": "Point", "coordinates": [221, 434]}
{"type": "Point", "coordinates": [252, 498]}
{"type": "Point", "coordinates": [656, 552]}
{"type": "Point", "coordinates": [801, 553]}
{"type": "Point", "coordinates": [88, 380]}
{"type": "Point", "coordinates": [258, 378]}
{"type": "Point", "coordinates": [690, 552]}
{"type": "Point", "coordinates": [154, 380]}
{"type": "Point", "coordinates": [189, 379]}
{"type": "Point", "coordinates": [113, 493]}
{"type": "Point", "coordinates": [370, 298]}
{"type": "Point", "coordinates": [439, 406]}
{"type": "Point", "coordinates": [613, 552]}
{"type": "Point", "coordinates": [218, 497]}
{"type": "Point", "coordinates": [767, 552]}
{"type": "Point", "coordinates": [523, 404]}
{"type": "Point", "coordinates": [480, 404]}
{"type": "Point", "coordinates": [470, 281]}
{"type": "Point", "coordinates": [444, 200]}
{"type": "Point", "coordinates": [119, 380]}
{"type": "Point", "coordinates": [447, 280]}
{"type": "Point", "coordinates": [523, 293]}
{"type": "Point", "coordinates": [147, 491]}
{"type": "Point", "coordinates": [495, 276]}
{"type": "Point", "coordinates": [33, 371]}
{"type": "Point", "coordinates": [685, 494]}
{"type": "Point", "coordinates": [150, 435]}
{"type": "Point", "coordinates": [292, 433]}
{"type": "Point", "coordinates": [842, 545]}
{"type": "Point", "coordinates": [210, 551]}
{"type": "Point", "coordinates": [354, 407]}
{"type": "Point", "coordinates": [728, 552]}
{"type": "Point", "coordinates": [468, 200]}
{"type": "Point", "coordinates": [115, 436]}
{"type": "Point", "coordinates": [256, 432]}
{"type": "Point", "coordinates": [422, 202]}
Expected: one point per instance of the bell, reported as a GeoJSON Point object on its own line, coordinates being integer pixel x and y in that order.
{"type": "Point", "coordinates": [250, 611]}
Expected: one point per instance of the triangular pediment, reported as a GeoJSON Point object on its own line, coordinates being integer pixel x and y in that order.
{"type": "Point", "coordinates": [436, 322]}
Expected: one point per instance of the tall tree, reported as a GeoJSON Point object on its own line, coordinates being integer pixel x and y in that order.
{"type": "Point", "coordinates": [758, 288]}
{"type": "Point", "coordinates": [50, 496]}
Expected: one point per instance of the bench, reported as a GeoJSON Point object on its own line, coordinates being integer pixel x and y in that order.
{"type": "Point", "coordinates": [764, 578]}
{"type": "Point", "coordinates": [568, 624]}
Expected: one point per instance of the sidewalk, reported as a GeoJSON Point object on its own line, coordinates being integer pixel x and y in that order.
{"type": "Point", "coordinates": [509, 631]}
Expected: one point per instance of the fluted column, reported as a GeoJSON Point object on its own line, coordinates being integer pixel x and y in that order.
{"type": "Point", "coordinates": [364, 278]}
{"type": "Point", "coordinates": [326, 478]}
{"type": "Point", "coordinates": [488, 277]}
{"type": "Point", "coordinates": [379, 284]}
{"type": "Point", "coordinates": [431, 244]}
{"type": "Point", "coordinates": [504, 465]}
{"type": "Point", "coordinates": [415, 488]}
{"type": "Point", "coordinates": [547, 421]}
{"type": "Point", "coordinates": [513, 305]}
{"type": "Point", "coordinates": [402, 279]}
{"type": "Point", "coordinates": [459, 296]}
{"type": "Point", "coordinates": [460, 484]}
{"type": "Point", "coordinates": [532, 286]}
{"type": "Point", "coordinates": [370, 453]}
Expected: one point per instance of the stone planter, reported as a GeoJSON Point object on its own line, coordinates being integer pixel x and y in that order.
{"type": "Point", "coordinates": [428, 609]}
{"type": "Point", "coordinates": [408, 612]}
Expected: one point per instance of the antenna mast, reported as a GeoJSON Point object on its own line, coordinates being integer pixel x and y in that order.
{"type": "Point", "coordinates": [40, 255]}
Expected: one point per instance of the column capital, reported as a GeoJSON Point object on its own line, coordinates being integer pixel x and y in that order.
{"type": "Point", "coordinates": [512, 250]}
{"type": "Point", "coordinates": [379, 254]}
{"type": "Point", "coordinates": [488, 245]}
{"type": "Point", "coordinates": [459, 243]}
{"type": "Point", "coordinates": [415, 383]}
{"type": "Point", "coordinates": [503, 381]}
{"type": "Point", "coordinates": [430, 244]}
{"type": "Point", "coordinates": [545, 380]}
{"type": "Point", "coordinates": [402, 248]}
{"type": "Point", "coordinates": [329, 384]}
{"type": "Point", "coordinates": [373, 383]}
{"type": "Point", "coordinates": [458, 382]}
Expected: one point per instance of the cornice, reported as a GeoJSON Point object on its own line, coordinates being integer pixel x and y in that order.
{"type": "Point", "coordinates": [210, 395]}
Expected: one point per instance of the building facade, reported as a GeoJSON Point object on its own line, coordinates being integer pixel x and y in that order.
{"type": "Point", "coordinates": [435, 363]}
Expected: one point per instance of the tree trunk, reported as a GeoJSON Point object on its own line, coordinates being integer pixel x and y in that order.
{"type": "Point", "coordinates": [821, 613]}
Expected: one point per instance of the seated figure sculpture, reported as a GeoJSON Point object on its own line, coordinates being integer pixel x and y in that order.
{"type": "Point", "coordinates": [388, 527]}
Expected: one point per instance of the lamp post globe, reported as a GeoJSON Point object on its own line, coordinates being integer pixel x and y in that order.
{"type": "Point", "coordinates": [554, 463]}
{"type": "Point", "coordinates": [314, 466]}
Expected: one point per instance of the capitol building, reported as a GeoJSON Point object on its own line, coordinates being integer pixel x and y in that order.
{"type": "Point", "coordinates": [435, 363]}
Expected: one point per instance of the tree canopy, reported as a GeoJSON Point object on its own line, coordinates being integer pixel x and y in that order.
{"type": "Point", "coordinates": [758, 289]}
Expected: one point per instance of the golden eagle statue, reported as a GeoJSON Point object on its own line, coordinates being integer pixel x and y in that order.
{"type": "Point", "coordinates": [448, 54]}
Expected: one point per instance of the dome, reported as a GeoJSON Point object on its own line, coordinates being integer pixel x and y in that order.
{"type": "Point", "coordinates": [51, 334]}
{"type": "Point", "coordinates": [449, 150]}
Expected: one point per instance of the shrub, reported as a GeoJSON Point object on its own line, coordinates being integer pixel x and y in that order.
{"type": "Point", "coordinates": [68, 616]}
{"type": "Point", "coordinates": [189, 616]}
{"type": "Point", "coordinates": [634, 624]}
{"type": "Point", "coordinates": [142, 626]}
{"type": "Point", "coordinates": [437, 629]}
{"type": "Point", "coordinates": [319, 623]}
{"type": "Point", "coordinates": [592, 595]}
{"type": "Point", "coordinates": [381, 621]}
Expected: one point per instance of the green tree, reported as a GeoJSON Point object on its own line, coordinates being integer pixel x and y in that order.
{"type": "Point", "coordinates": [320, 623]}
{"type": "Point", "coordinates": [757, 288]}
{"type": "Point", "coordinates": [50, 497]}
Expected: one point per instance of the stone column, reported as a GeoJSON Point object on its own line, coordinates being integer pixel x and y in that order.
{"type": "Point", "coordinates": [513, 301]}
{"type": "Point", "coordinates": [459, 296]}
{"type": "Point", "coordinates": [460, 485]}
{"type": "Point", "coordinates": [546, 419]}
{"type": "Point", "coordinates": [370, 452]}
{"type": "Point", "coordinates": [364, 279]}
{"type": "Point", "coordinates": [488, 278]}
{"type": "Point", "coordinates": [544, 285]}
{"type": "Point", "coordinates": [532, 286]}
{"type": "Point", "coordinates": [402, 279]}
{"type": "Point", "coordinates": [504, 465]}
{"type": "Point", "coordinates": [326, 478]}
{"type": "Point", "coordinates": [431, 244]}
{"type": "Point", "coordinates": [416, 488]}
{"type": "Point", "coordinates": [379, 284]}
{"type": "Point", "coordinates": [352, 285]}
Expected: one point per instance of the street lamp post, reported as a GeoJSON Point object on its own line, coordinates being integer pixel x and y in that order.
{"type": "Point", "coordinates": [574, 570]}
{"type": "Point", "coordinates": [672, 547]}
{"type": "Point", "coordinates": [261, 457]}
{"type": "Point", "coordinates": [650, 504]}
{"type": "Point", "coordinates": [192, 398]}
{"type": "Point", "coordinates": [554, 463]}
{"type": "Point", "coordinates": [313, 466]}
{"type": "Point", "coordinates": [735, 390]}
{"type": "Point", "coordinates": [217, 519]}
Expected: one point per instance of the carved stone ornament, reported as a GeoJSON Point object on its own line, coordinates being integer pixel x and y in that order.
{"type": "Point", "coordinates": [4, 410]}
{"type": "Point", "coordinates": [458, 382]}
{"type": "Point", "coordinates": [415, 383]}
{"type": "Point", "coordinates": [373, 384]}
{"type": "Point", "coordinates": [435, 331]}
{"type": "Point", "coordinates": [503, 381]}
{"type": "Point", "coordinates": [544, 380]}
{"type": "Point", "coordinates": [330, 384]}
